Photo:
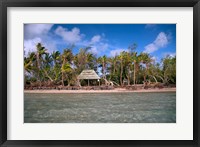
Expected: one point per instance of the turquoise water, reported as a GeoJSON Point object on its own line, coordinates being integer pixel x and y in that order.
{"type": "Point", "coordinates": [100, 108]}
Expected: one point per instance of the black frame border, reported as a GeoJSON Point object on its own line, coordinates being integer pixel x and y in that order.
{"type": "Point", "coordinates": [99, 3]}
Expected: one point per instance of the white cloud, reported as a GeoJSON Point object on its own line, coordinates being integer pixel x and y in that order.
{"type": "Point", "coordinates": [30, 44]}
{"type": "Point", "coordinates": [161, 41]}
{"type": "Point", "coordinates": [150, 48]}
{"type": "Point", "coordinates": [94, 51]}
{"type": "Point", "coordinates": [98, 44]}
{"type": "Point", "coordinates": [154, 58]}
{"type": "Point", "coordinates": [72, 36]}
{"type": "Point", "coordinates": [95, 39]}
{"type": "Point", "coordinates": [103, 46]}
{"type": "Point", "coordinates": [116, 52]}
{"type": "Point", "coordinates": [99, 48]}
{"type": "Point", "coordinates": [50, 46]}
{"type": "Point", "coordinates": [38, 33]}
{"type": "Point", "coordinates": [171, 54]}
{"type": "Point", "coordinates": [42, 34]}
{"type": "Point", "coordinates": [36, 30]}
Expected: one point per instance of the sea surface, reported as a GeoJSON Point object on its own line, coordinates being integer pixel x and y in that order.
{"type": "Point", "coordinates": [100, 108]}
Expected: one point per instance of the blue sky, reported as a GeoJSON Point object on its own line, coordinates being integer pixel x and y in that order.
{"type": "Point", "coordinates": [158, 40]}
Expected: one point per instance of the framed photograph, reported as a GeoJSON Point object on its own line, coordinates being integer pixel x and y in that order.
{"type": "Point", "coordinates": [104, 73]}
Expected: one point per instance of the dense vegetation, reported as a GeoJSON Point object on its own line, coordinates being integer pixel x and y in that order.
{"type": "Point", "coordinates": [128, 68]}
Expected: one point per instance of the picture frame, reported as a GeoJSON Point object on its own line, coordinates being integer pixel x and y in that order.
{"type": "Point", "coordinates": [100, 3]}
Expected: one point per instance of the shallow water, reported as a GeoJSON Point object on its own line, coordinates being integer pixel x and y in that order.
{"type": "Point", "coordinates": [100, 108]}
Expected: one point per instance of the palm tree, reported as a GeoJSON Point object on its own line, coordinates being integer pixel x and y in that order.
{"type": "Point", "coordinates": [28, 62]}
{"type": "Point", "coordinates": [81, 59]}
{"type": "Point", "coordinates": [146, 59]}
{"type": "Point", "coordinates": [127, 65]}
{"type": "Point", "coordinates": [113, 62]}
{"type": "Point", "coordinates": [136, 60]}
{"type": "Point", "coordinates": [40, 52]}
{"type": "Point", "coordinates": [67, 58]}
{"type": "Point", "coordinates": [66, 72]}
{"type": "Point", "coordinates": [29, 65]}
{"type": "Point", "coordinates": [169, 69]}
{"type": "Point", "coordinates": [90, 60]}
{"type": "Point", "coordinates": [103, 62]}
{"type": "Point", "coordinates": [39, 55]}
{"type": "Point", "coordinates": [57, 64]}
{"type": "Point", "coordinates": [113, 68]}
{"type": "Point", "coordinates": [55, 56]}
{"type": "Point", "coordinates": [40, 66]}
{"type": "Point", "coordinates": [121, 58]}
{"type": "Point", "coordinates": [154, 71]}
{"type": "Point", "coordinates": [47, 66]}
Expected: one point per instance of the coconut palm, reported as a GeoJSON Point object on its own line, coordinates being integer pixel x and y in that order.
{"type": "Point", "coordinates": [39, 55]}
{"type": "Point", "coordinates": [103, 62]}
{"type": "Point", "coordinates": [81, 59]}
{"type": "Point", "coordinates": [113, 68]}
{"type": "Point", "coordinates": [56, 57]}
{"type": "Point", "coordinates": [121, 58]}
{"type": "Point", "coordinates": [90, 61]}
{"type": "Point", "coordinates": [133, 58]}
{"type": "Point", "coordinates": [67, 58]}
{"type": "Point", "coordinates": [42, 67]}
{"type": "Point", "coordinates": [40, 52]}
{"type": "Point", "coordinates": [113, 62]}
{"type": "Point", "coordinates": [169, 69]}
{"type": "Point", "coordinates": [66, 72]}
{"type": "Point", "coordinates": [56, 65]}
{"type": "Point", "coordinates": [127, 65]}
{"type": "Point", "coordinates": [145, 59]}
{"type": "Point", "coordinates": [136, 60]}
{"type": "Point", "coordinates": [28, 62]}
{"type": "Point", "coordinates": [47, 63]}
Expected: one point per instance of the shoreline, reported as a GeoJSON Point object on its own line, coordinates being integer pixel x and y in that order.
{"type": "Point", "coordinates": [116, 90]}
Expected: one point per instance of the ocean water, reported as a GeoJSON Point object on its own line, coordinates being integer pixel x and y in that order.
{"type": "Point", "coordinates": [100, 108]}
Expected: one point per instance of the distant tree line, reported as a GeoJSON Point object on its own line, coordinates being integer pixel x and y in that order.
{"type": "Point", "coordinates": [127, 68]}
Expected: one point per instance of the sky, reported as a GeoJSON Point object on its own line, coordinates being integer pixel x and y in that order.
{"type": "Point", "coordinates": [158, 40]}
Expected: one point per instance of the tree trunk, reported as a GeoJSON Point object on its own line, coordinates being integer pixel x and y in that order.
{"type": "Point", "coordinates": [26, 66]}
{"type": "Point", "coordinates": [38, 66]}
{"type": "Point", "coordinates": [64, 61]}
{"type": "Point", "coordinates": [154, 78]}
{"type": "Point", "coordinates": [128, 77]}
{"type": "Point", "coordinates": [114, 68]}
{"type": "Point", "coordinates": [160, 78]}
{"type": "Point", "coordinates": [48, 76]}
{"type": "Point", "coordinates": [146, 72]}
{"type": "Point", "coordinates": [38, 60]}
{"type": "Point", "coordinates": [134, 73]}
{"type": "Point", "coordinates": [78, 83]}
{"type": "Point", "coordinates": [121, 74]}
{"type": "Point", "coordinates": [103, 66]}
{"type": "Point", "coordinates": [144, 77]}
{"type": "Point", "coordinates": [68, 83]}
{"type": "Point", "coordinates": [63, 79]}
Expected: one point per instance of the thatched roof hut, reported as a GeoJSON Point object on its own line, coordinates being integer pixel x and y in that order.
{"type": "Point", "coordinates": [88, 74]}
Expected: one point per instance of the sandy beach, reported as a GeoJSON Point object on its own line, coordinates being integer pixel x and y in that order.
{"type": "Point", "coordinates": [116, 90]}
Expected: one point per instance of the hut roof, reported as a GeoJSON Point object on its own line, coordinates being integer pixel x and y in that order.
{"type": "Point", "coordinates": [88, 74]}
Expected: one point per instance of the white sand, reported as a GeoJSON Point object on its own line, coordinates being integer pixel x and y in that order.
{"type": "Point", "coordinates": [116, 90]}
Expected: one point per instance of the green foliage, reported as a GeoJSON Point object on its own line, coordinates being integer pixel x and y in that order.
{"type": "Point", "coordinates": [169, 69]}
{"type": "Point", "coordinates": [131, 66]}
